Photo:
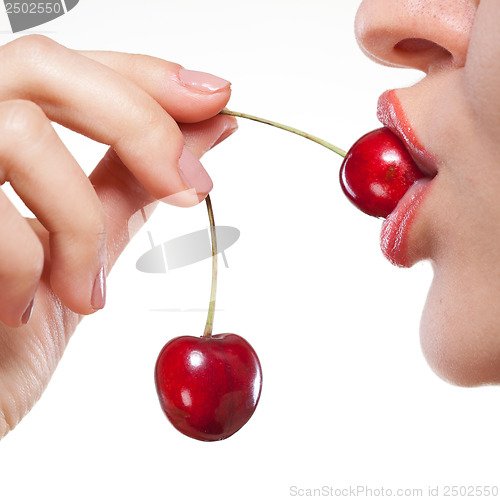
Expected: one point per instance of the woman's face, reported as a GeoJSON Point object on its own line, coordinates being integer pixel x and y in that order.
{"type": "Point", "coordinates": [451, 123]}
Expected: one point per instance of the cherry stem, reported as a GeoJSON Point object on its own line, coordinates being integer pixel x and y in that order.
{"type": "Point", "coordinates": [211, 308]}
{"type": "Point", "coordinates": [313, 138]}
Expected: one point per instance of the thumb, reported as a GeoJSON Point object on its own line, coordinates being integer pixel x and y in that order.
{"type": "Point", "coordinates": [126, 202]}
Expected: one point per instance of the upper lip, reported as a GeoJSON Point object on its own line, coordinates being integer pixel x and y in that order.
{"type": "Point", "coordinates": [391, 114]}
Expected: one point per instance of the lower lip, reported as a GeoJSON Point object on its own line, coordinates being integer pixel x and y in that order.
{"type": "Point", "coordinates": [397, 226]}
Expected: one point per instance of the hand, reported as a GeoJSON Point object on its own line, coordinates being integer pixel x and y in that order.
{"type": "Point", "coordinates": [54, 267]}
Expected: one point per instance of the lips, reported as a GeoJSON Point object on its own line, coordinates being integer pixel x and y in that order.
{"type": "Point", "coordinates": [397, 227]}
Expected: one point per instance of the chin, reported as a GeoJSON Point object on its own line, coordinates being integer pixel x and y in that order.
{"type": "Point", "coordinates": [460, 336]}
{"type": "Point", "coordinates": [460, 366]}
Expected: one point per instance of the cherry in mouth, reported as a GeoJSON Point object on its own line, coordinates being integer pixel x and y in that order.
{"type": "Point", "coordinates": [377, 171]}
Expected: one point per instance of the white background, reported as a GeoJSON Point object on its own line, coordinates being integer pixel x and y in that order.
{"type": "Point", "coordinates": [348, 398]}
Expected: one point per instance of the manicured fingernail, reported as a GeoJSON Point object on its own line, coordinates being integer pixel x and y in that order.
{"type": "Point", "coordinates": [203, 82]}
{"type": "Point", "coordinates": [98, 299]}
{"type": "Point", "coordinates": [193, 174]}
{"type": "Point", "coordinates": [27, 314]}
{"type": "Point", "coordinates": [231, 129]}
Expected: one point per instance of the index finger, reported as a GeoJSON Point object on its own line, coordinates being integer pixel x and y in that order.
{"type": "Point", "coordinates": [188, 96]}
{"type": "Point", "coordinates": [92, 99]}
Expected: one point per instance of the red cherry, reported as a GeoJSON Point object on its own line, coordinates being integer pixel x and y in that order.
{"type": "Point", "coordinates": [208, 387]}
{"type": "Point", "coordinates": [377, 171]}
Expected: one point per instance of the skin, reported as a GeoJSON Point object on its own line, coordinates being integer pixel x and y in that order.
{"type": "Point", "coordinates": [56, 257]}
{"type": "Point", "coordinates": [455, 112]}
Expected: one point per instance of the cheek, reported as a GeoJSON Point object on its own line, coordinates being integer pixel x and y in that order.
{"type": "Point", "coordinates": [482, 69]}
{"type": "Point", "coordinates": [460, 329]}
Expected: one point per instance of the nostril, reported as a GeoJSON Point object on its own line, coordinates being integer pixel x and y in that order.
{"type": "Point", "coordinates": [419, 48]}
{"type": "Point", "coordinates": [413, 45]}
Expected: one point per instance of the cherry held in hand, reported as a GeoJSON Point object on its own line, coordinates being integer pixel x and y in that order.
{"type": "Point", "coordinates": [208, 386]}
{"type": "Point", "coordinates": [376, 172]}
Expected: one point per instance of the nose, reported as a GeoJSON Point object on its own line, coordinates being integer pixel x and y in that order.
{"type": "Point", "coordinates": [420, 34]}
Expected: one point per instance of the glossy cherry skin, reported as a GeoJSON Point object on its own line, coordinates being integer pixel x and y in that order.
{"type": "Point", "coordinates": [208, 386]}
{"type": "Point", "coordinates": [377, 171]}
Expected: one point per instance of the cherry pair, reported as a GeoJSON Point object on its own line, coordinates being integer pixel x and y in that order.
{"type": "Point", "coordinates": [209, 386]}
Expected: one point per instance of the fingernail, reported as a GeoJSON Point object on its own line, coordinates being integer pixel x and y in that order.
{"type": "Point", "coordinates": [98, 299]}
{"type": "Point", "coordinates": [27, 314]}
{"type": "Point", "coordinates": [193, 174]}
{"type": "Point", "coordinates": [229, 131]}
{"type": "Point", "coordinates": [203, 82]}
